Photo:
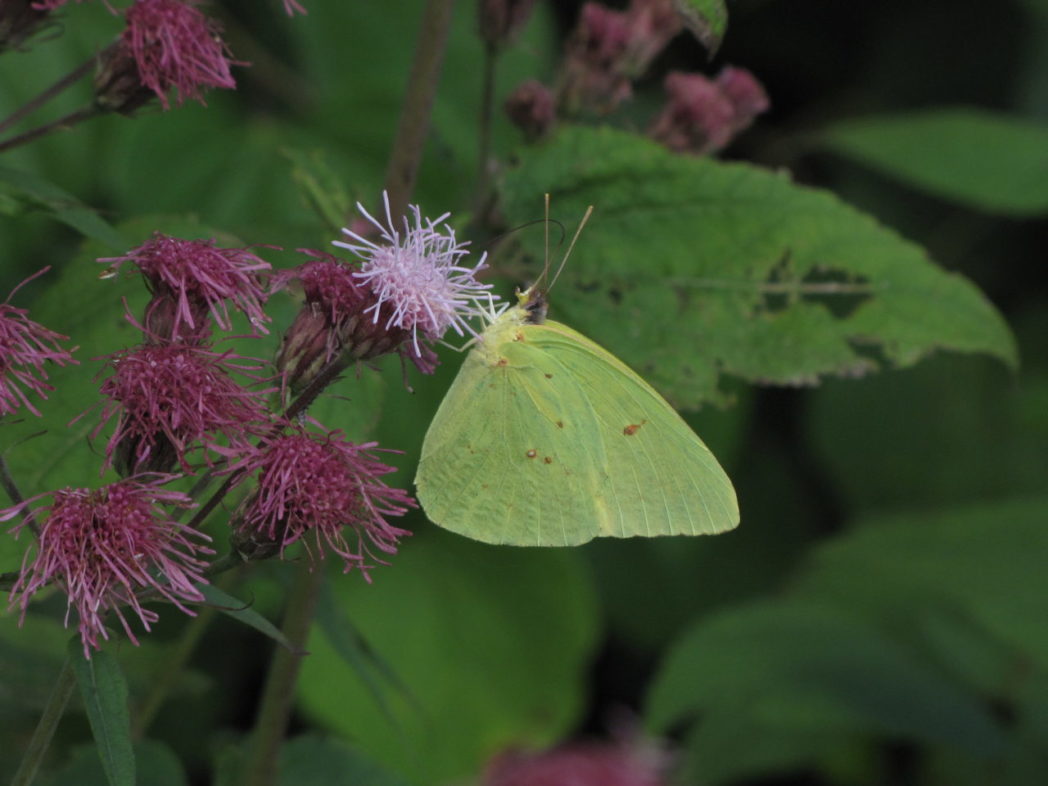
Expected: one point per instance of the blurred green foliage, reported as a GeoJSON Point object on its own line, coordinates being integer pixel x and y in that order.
{"type": "Point", "coordinates": [879, 615]}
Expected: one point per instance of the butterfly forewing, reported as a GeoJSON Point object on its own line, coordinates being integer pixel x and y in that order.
{"type": "Point", "coordinates": [552, 441]}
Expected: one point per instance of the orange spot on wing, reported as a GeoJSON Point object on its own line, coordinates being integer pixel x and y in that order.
{"type": "Point", "coordinates": [548, 460]}
{"type": "Point", "coordinates": [633, 428]}
{"type": "Point", "coordinates": [532, 453]}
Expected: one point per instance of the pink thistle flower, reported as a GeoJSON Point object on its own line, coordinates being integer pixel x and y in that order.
{"type": "Point", "coordinates": [170, 399]}
{"type": "Point", "coordinates": [417, 283]}
{"type": "Point", "coordinates": [291, 7]}
{"type": "Point", "coordinates": [104, 546]}
{"type": "Point", "coordinates": [579, 764]}
{"type": "Point", "coordinates": [747, 95]}
{"type": "Point", "coordinates": [532, 109]}
{"type": "Point", "coordinates": [591, 77]}
{"type": "Point", "coordinates": [165, 44]}
{"type": "Point", "coordinates": [319, 485]}
{"type": "Point", "coordinates": [190, 279]}
{"type": "Point", "coordinates": [25, 347]}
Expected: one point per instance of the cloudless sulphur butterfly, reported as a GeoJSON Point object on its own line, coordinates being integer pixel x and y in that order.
{"type": "Point", "coordinates": [546, 439]}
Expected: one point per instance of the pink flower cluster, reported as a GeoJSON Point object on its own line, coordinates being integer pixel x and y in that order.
{"type": "Point", "coordinates": [611, 49]}
{"type": "Point", "coordinates": [177, 402]}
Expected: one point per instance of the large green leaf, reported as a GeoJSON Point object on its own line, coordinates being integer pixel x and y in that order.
{"type": "Point", "coordinates": [104, 691]}
{"type": "Point", "coordinates": [985, 561]}
{"type": "Point", "coordinates": [156, 764]}
{"type": "Point", "coordinates": [312, 760]}
{"type": "Point", "coordinates": [491, 645]}
{"type": "Point", "coordinates": [986, 160]}
{"type": "Point", "coordinates": [811, 671]}
{"type": "Point", "coordinates": [693, 268]}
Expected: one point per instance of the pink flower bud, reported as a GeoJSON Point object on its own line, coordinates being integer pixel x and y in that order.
{"type": "Point", "coordinates": [531, 108]}
{"type": "Point", "coordinates": [501, 20]}
{"type": "Point", "coordinates": [746, 94]}
{"type": "Point", "coordinates": [697, 118]}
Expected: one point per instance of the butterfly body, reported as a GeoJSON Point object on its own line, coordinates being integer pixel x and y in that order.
{"type": "Point", "coordinates": [546, 439]}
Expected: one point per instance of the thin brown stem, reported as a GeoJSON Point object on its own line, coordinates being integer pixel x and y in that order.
{"type": "Point", "coordinates": [62, 124]}
{"type": "Point", "coordinates": [45, 727]}
{"type": "Point", "coordinates": [279, 692]}
{"type": "Point", "coordinates": [42, 98]}
{"type": "Point", "coordinates": [417, 110]}
{"type": "Point", "coordinates": [8, 482]}
{"type": "Point", "coordinates": [487, 114]}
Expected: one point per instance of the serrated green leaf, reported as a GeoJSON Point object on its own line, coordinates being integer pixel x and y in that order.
{"type": "Point", "coordinates": [104, 692]}
{"type": "Point", "coordinates": [803, 666]}
{"type": "Point", "coordinates": [692, 268]}
{"type": "Point", "coordinates": [491, 643]}
{"type": "Point", "coordinates": [311, 760]}
{"type": "Point", "coordinates": [706, 19]}
{"type": "Point", "coordinates": [39, 193]}
{"type": "Point", "coordinates": [986, 160]}
{"type": "Point", "coordinates": [242, 612]}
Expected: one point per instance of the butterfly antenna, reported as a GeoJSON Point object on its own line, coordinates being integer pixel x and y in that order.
{"type": "Point", "coordinates": [582, 223]}
{"type": "Point", "coordinates": [545, 267]}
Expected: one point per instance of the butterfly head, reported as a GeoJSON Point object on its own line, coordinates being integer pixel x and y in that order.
{"type": "Point", "coordinates": [534, 303]}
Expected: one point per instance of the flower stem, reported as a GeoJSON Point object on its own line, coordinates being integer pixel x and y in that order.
{"type": "Point", "coordinates": [487, 113]}
{"type": "Point", "coordinates": [60, 124]}
{"type": "Point", "coordinates": [172, 669]}
{"type": "Point", "coordinates": [45, 728]}
{"type": "Point", "coordinates": [42, 98]}
{"type": "Point", "coordinates": [8, 482]}
{"type": "Point", "coordinates": [415, 115]}
{"type": "Point", "coordinates": [279, 692]}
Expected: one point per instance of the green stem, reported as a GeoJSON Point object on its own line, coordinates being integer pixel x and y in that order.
{"type": "Point", "coordinates": [417, 110]}
{"type": "Point", "coordinates": [7, 480]}
{"type": "Point", "coordinates": [45, 728]}
{"type": "Point", "coordinates": [172, 671]}
{"type": "Point", "coordinates": [279, 692]}
{"type": "Point", "coordinates": [42, 98]}
{"type": "Point", "coordinates": [62, 124]}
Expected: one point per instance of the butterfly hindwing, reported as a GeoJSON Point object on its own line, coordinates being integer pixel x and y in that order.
{"type": "Point", "coordinates": [549, 440]}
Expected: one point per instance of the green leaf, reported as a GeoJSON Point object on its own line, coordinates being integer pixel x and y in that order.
{"type": "Point", "coordinates": [984, 561]}
{"type": "Point", "coordinates": [706, 19]}
{"type": "Point", "coordinates": [692, 268]}
{"type": "Point", "coordinates": [312, 760]}
{"type": "Point", "coordinates": [985, 160]}
{"type": "Point", "coordinates": [320, 186]}
{"type": "Point", "coordinates": [492, 645]}
{"type": "Point", "coordinates": [810, 670]}
{"type": "Point", "coordinates": [242, 612]}
{"type": "Point", "coordinates": [156, 764]}
{"type": "Point", "coordinates": [36, 192]}
{"type": "Point", "coordinates": [104, 692]}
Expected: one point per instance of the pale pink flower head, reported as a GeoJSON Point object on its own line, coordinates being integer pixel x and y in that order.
{"type": "Point", "coordinates": [172, 399]}
{"type": "Point", "coordinates": [320, 489]}
{"type": "Point", "coordinates": [416, 279]}
{"type": "Point", "coordinates": [105, 546]}
{"type": "Point", "coordinates": [26, 347]}
{"type": "Point", "coordinates": [192, 280]}
{"type": "Point", "coordinates": [165, 44]}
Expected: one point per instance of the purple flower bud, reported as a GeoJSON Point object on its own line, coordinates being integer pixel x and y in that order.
{"type": "Point", "coordinates": [317, 489]}
{"type": "Point", "coordinates": [501, 20]}
{"type": "Point", "coordinates": [531, 108]}
{"type": "Point", "coordinates": [172, 399]}
{"type": "Point", "coordinates": [104, 546]}
{"type": "Point", "coordinates": [191, 279]}
{"type": "Point", "coordinates": [590, 76]}
{"type": "Point", "coordinates": [25, 348]}
{"type": "Point", "coordinates": [580, 764]}
{"type": "Point", "coordinates": [746, 94]}
{"type": "Point", "coordinates": [165, 44]}
{"type": "Point", "coordinates": [19, 20]}
{"type": "Point", "coordinates": [698, 118]}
